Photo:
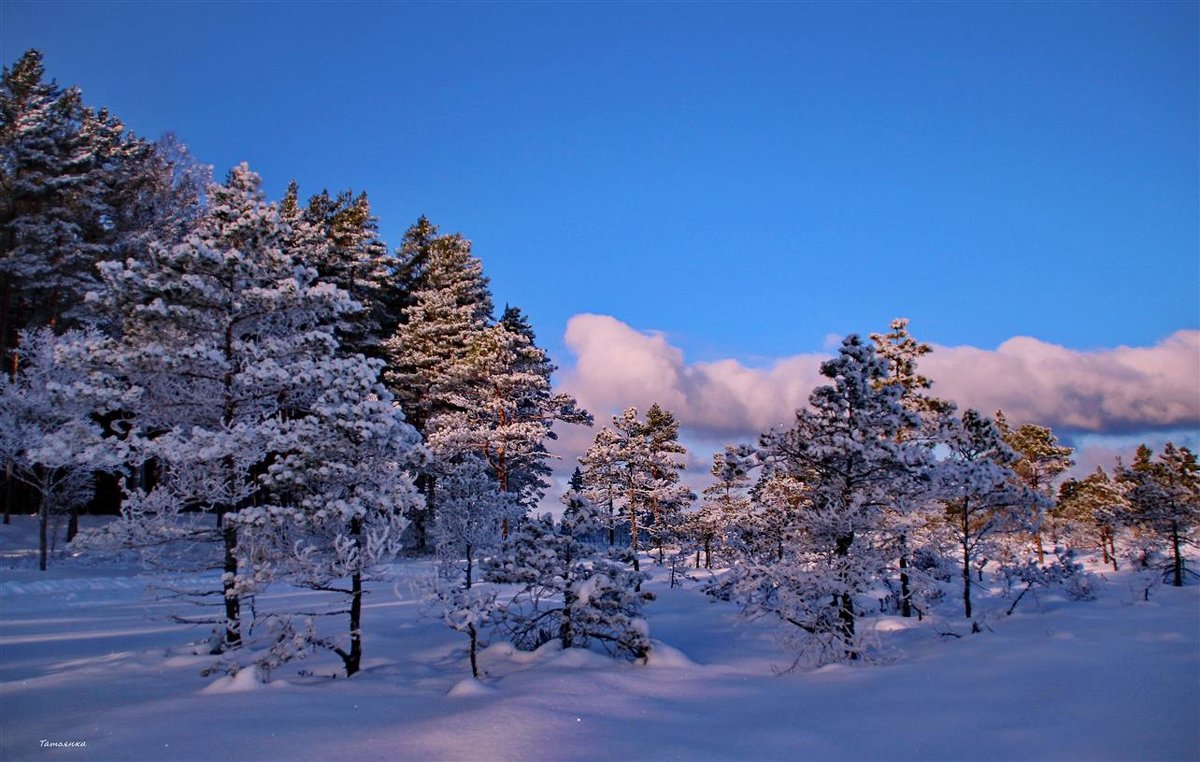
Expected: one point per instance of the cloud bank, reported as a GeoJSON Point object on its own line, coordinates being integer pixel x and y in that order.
{"type": "Point", "coordinates": [1120, 390]}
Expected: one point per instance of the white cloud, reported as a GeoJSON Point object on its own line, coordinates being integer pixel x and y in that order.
{"type": "Point", "coordinates": [1106, 390]}
{"type": "Point", "coordinates": [1102, 401]}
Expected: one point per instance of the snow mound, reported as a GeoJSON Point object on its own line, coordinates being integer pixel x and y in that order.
{"type": "Point", "coordinates": [663, 656]}
{"type": "Point", "coordinates": [246, 679]}
{"type": "Point", "coordinates": [470, 687]}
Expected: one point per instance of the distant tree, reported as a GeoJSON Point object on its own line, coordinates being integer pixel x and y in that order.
{"type": "Point", "coordinates": [472, 512]}
{"type": "Point", "coordinates": [1164, 500]}
{"type": "Point", "coordinates": [1096, 506]}
{"type": "Point", "coordinates": [1041, 460]}
{"type": "Point", "coordinates": [505, 408]}
{"type": "Point", "coordinates": [47, 432]}
{"type": "Point", "coordinates": [604, 482]}
{"type": "Point", "coordinates": [976, 485]}
{"type": "Point", "coordinates": [339, 237]}
{"type": "Point", "coordinates": [666, 496]}
{"type": "Point", "coordinates": [726, 507]}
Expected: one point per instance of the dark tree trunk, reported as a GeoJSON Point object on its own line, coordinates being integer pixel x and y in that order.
{"type": "Point", "coordinates": [8, 492]}
{"type": "Point", "coordinates": [474, 648]}
{"type": "Point", "coordinates": [233, 613]}
{"type": "Point", "coordinates": [73, 523]}
{"type": "Point", "coordinates": [845, 602]}
{"type": "Point", "coordinates": [43, 527]}
{"type": "Point", "coordinates": [966, 549]}
{"type": "Point", "coordinates": [353, 659]}
{"type": "Point", "coordinates": [470, 566]}
{"type": "Point", "coordinates": [905, 591]}
{"type": "Point", "coordinates": [565, 633]}
{"type": "Point", "coordinates": [1177, 562]}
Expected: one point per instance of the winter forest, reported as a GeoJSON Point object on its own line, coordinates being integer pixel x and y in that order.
{"type": "Point", "coordinates": [313, 470]}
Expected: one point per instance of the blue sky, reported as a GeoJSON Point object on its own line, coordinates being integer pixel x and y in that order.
{"type": "Point", "coordinates": [746, 178]}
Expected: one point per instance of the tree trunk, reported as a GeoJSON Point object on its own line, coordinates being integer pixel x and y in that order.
{"type": "Point", "coordinates": [845, 602]}
{"type": "Point", "coordinates": [564, 628]}
{"type": "Point", "coordinates": [73, 523]}
{"type": "Point", "coordinates": [43, 526]}
{"type": "Point", "coordinates": [1177, 563]}
{"type": "Point", "coordinates": [233, 624]}
{"type": "Point", "coordinates": [353, 659]}
{"type": "Point", "coordinates": [470, 566]}
{"type": "Point", "coordinates": [8, 492]}
{"type": "Point", "coordinates": [966, 549]}
{"type": "Point", "coordinates": [474, 648]}
{"type": "Point", "coordinates": [905, 591]}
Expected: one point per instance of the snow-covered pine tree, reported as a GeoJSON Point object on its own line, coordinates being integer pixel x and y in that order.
{"type": "Point", "coordinates": [339, 483]}
{"type": "Point", "coordinates": [604, 478]}
{"type": "Point", "coordinates": [725, 515]}
{"type": "Point", "coordinates": [218, 334]}
{"type": "Point", "coordinates": [450, 307]}
{"type": "Point", "coordinates": [777, 498]}
{"type": "Point", "coordinates": [667, 497]}
{"type": "Point", "coordinates": [913, 508]}
{"type": "Point", "coordinates": [569, 591]}
{"type": "Point", "coordinates": [1041, 460]}
{"type": "Point", "coordinates": [647, 453]}
{"type": "Point", "coordinates": [466, 531]}
{"type": "Point", "coordinates": [47, 432]}
{"type": "Point", "coordinates": [78, 189]}
{"type": "Point", "coordinates": [1164, 501]}
{"type": "Point", "coordinates": [1092, 510]}
{"type": "Point", "coordinates": [847, 452]}
{"type": "Point", "coordinates": [505, 408]}
{"type": "Point", "coordinates": [48, 212]}
{"type": "Point", "coordinates": [975, 483]}
{"type": "Point", "coordinates": [471, 512]}
{"type": "Point", "coordinates": [339, 237]}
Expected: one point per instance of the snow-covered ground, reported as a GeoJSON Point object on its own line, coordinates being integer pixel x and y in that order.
{"type": "Point", "coordinates": [87, 656]}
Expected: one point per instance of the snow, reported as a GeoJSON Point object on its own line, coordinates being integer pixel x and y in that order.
{"type": "Point", "coordinates": [85, 655]}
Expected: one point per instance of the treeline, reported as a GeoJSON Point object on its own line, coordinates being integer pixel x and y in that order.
{"type": "Point", "coordinates": [879, 496]}
{"type": "Point", "coordinates": [263, 379]}
{"type": "Point", "coordinates": [266, 390]}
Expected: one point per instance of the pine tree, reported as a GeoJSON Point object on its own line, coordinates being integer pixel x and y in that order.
{"type": "Point", "coordinates": [79, 189]}
{"type": "Point", "coordinates": [1096, 506]}
{"type": "Point", "coordinates": [450, 308]}
{"type": "Point", "coordinates": [47, 432]}
{"type": "Point", "coordinates": [218, 336]}
{"type": "Point", "coordinates": [1041, 460]}
{"type": "Point", "coordinates": [901, 352]}
{"type": "Point", "coordinates": [977, 487]}
{"type": "Point", "coordinates": [1164, 500]}
{"type": "Point", "coordinates": [604, 478]}
{"type": "Point", "coordinates": [471, 512]}
{"type": "Point", "coordinates": [568, 591]}
{"type": "Point", "coordinates": [666, 497]}
{"type": "Point", "coordinates": [339, 483]}
{"type": "Point", "coordinates": [49, 205]}
{"type": "Point", "coordinates": [505, 408]}
{"type": "Point", "coordinates": [847, 452]}
{"type": "Point", "coordinates": [726, 508]}
{"type": "Point", "coordinates": [340, 239]}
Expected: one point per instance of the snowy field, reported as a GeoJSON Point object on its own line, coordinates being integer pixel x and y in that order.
{"type": "Point", "coordinates": [87, 656]}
